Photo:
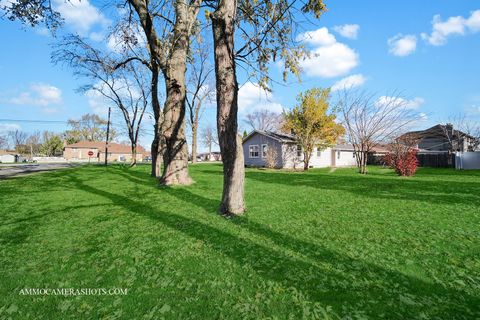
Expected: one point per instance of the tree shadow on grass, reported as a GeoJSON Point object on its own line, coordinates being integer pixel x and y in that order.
{"type": "Point", "coordinates": [320, 274]}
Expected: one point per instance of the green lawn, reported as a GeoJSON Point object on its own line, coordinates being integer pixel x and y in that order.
{"type": "Point", "coordinates": [313, 245]}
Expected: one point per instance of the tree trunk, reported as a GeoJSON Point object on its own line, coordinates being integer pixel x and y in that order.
{"type": "Point", "coordinates": [194, 142]}
{"type": "Point", "coordinates": [363, 162]}
{"type": "Point", "coordinates": [133, 162]}
{"type": "Point", "coordinates": [230, 142]}
{"type": "Point", "coordinates": [141, 7]}
{"type": "Point", "coordinates": [306, 161]}
{"type": "Point", "coordinates": [174, 144]}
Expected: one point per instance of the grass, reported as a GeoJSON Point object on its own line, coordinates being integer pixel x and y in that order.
{"type": "Point", "coordinates": [312, 245]}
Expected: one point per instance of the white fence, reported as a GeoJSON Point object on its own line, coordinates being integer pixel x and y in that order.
{"type": "Point", "coordinates": [467, 160]}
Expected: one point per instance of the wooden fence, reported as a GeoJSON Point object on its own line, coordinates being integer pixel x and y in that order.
{"type": "Point", "coordinates": [436, 160]}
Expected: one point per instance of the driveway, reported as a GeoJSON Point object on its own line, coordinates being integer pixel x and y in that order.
{"type": "Point", "coordinates": [12, 170]}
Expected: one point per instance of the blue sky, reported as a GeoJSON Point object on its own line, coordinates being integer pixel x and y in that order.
{"type": "Point", "coordinates": [428, 50]}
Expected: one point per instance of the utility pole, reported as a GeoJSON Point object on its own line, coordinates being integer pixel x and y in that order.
{"type": "Point", "coordinates": [108, 132]}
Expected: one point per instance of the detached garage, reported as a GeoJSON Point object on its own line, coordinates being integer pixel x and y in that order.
{"type": "Point", "coordinates": [8, 156]}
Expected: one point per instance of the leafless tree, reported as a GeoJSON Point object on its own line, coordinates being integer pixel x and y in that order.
{"type": "Point", "coordinates": [371, 121]}
{"type": "Point", "coordinates": [264, 120]}
{"type": "Point", "coordinates": [3, 142]}
{"type": "Point", "coordinates": [18, 139]}
{"type": "Point", "coordinates": [34, 143]}
{"type": "Point", "coordinates": [462, 133]}
{"type": "Point", "coordinates": [200, 87]}
{"type": "Point", "coordinates": [209, 138]}
{"type": "Point", "coordinates": [126, 88]}
{"type": "Point", "coordinates": [271, 157]}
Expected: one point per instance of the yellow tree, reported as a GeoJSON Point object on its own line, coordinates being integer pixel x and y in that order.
{"type": "Point", "coordinates": [312, 122]}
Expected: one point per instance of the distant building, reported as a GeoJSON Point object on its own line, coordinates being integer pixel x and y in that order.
{"type": "Point", "coordinates": [116, 152]}
{"type": "Point", "coordinates": [289, 154]}
{"type": "Point", "coordinates": [7, 156]}
{"type": "Point", "coordinates": [212, 156]}
{"type": "Point", "coordinates": [444, 138]}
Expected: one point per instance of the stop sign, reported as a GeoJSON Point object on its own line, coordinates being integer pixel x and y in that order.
{"type": "Point", "coordinates": [90, 153]}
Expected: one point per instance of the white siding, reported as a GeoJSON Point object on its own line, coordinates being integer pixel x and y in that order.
{"type": "Point", "coordinates": [325, 159]}
{"type": "Point", "coordinates": [7, 158]}
{"type": "Point", "coordinates": [346, 158]}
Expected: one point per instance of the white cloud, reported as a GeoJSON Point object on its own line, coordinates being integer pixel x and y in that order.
{"type": "Point", "coordinates": [81, 15]}
{"type": "Point", "coordinates": [39, 94]}
{"type": "Point", "coordinates": [251, 98]}
{"type": "Point", "coordinates": [401, 45]}
{"type": "Point", "coordinates": [349, 82]}
{"type": "Point", "coordinates": [414, 103]}
{"type": "Point", "coordinates": [458, 25]}
{"type": "Point", "coordinates": [349, 31]}
{"type": "Point", "coordinates": [319, 37]}
{"type": "Point", "coordinates": [473, 22]}
{"type": "Point", "coordinates": [330, 58]}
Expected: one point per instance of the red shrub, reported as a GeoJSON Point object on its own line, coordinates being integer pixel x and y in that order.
{"type": "Point", "coordinates": [403, 161]}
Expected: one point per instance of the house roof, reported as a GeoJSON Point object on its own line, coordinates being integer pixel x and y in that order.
{"type": "Point", "coordinates": [343, 146]}
{"type": "Point", "coordinates": [280, 137]}
{"type": "Point", "coordinates": [438, 129]}
{"type": "Point", "coordinates": [112, 147]}
{"type": "Point", "coordinates": [290, 138]}
{"type": "Point", "coordinates": [5, 152]}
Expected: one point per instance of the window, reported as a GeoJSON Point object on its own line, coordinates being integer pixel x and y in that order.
{"type": "Point", "coordinates": [299, 151]}
{"type": "Point", "coordinates": [338, 154]}
{"type": "Point", "coordinates": [264, 150]}
{"type": "Point", "coordinates": [253, 151]}
{"type": "Point", "coordinates": [319, 152]}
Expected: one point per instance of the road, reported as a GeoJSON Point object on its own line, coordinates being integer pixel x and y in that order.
{"type": "Point", "coordinates": [13, 170]}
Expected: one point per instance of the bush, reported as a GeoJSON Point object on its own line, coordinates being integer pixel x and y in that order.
{"type": "Point", "coordinates": [405, 163]}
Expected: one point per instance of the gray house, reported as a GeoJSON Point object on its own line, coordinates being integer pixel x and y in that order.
{"type": "Point", "coordinates": [444, 138]}
{"type": "Point", "coordinates": [283, 151]}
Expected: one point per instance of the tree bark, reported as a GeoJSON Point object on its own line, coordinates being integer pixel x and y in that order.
{"type": "Point", "coordinates": [174, 144]}
{"type": "Point", "coordinates": [230, 142]}
{"type": "Point", "coordinates": [133, 162]}
{"type": "Point", "coordinates": [306, 161]}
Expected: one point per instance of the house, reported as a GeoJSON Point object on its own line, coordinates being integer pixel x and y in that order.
{"type": "Point", "coordinates": [260, 147]}
{"type": "Point", "coordinates": [116, 152]}
{"type": "Point", "coordinates": [8, 156]}
{"type": "Point", "coordinates": [443, 139]}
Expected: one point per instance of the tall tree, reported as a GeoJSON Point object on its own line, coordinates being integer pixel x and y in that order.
{"type": "Point", "coordinates": [313, 122]}
{"type": "Point", "coordinates": [371, 121]}
{"type": "Point", "coordinates": [90, 127]}
{"type": "Point", "coordinates": [33, 143]}
{"type": "Point", "coordinates": [266, 33]}
{"type": "Point", "coordinates": [264, 120]}
{"type": "Point", "coordinates": [170, 54]}
{"type": "Point", "coordinates": [18, 139]}
{"type": "Point", "coordinates": [200, 87]}
{"type": "Point", "coordinates": [52, 144]}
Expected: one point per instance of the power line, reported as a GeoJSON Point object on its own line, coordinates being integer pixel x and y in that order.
{"type": "Point", "coordinates": [64, 122]}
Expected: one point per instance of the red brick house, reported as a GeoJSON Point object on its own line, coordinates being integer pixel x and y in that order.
{"type": "Point", "coordinates": [116, 152]}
